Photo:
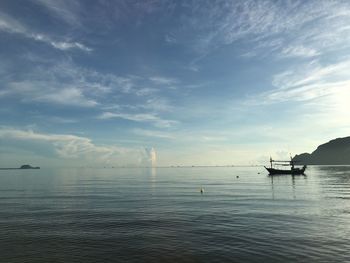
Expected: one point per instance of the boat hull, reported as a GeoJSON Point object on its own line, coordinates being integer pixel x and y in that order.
{"type": "Point", "coordinates": [295, 171]}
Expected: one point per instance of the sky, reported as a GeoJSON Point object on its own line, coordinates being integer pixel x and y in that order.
{"type": "Point", "coordinates": [135, 83]}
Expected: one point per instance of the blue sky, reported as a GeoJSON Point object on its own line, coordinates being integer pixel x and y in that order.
{"type": "Point", "coordinates": [187, 82]}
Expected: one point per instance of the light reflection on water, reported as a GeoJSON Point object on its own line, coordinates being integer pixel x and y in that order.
{"type": "Point", "coordinates": [159, 215]}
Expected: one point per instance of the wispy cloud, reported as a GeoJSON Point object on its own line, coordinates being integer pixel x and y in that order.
{"type": "Point", "coordinates": [63, 45]}
{"type": "Point", "coordinates": [157, 104]}
{"type": "Point", "coordinates": [318, 95]}
{"type": "Point", "coordinates": [170, 39]}
{"type": "Point", "coordinates": [69, 96]}
{"type": "Point", "coordinates": [57, 83]}
{"type": "Point", "coordinates": [307, 82]}
{"type": "Point", "coordinates": [182, 137]}
{"type": "Point", "coordinates": [145, 91]}
{"type": "Point", "coordinates": [311, 73]}
{"type": "Point", "coordinates": [49, 92]}
{"type": "Point", "coordinates": [153, 133]}
{"type": "Point", "coordinates": [286, 29]}
{"type": "Point", "coordinates": [298, 51]}
{"type": "Point", "coordinates": [141, 117]}
{"type": "Point", "coordinates": [57, 119]}
{"type": "Point", "coordinates": [65, 10]}
{"type": "Point", "coordinates": [11, 25]}
{"type": "Point", "coordinates": [163, 80]}
{"type": "Point", "coordinates": [152, 104]}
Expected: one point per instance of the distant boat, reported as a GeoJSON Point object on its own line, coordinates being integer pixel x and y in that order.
{"type": "Point", "coordinates": [291, 169]}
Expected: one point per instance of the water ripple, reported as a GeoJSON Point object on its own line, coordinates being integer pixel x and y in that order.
{"type": "Point", "coordinates": [138, 215]}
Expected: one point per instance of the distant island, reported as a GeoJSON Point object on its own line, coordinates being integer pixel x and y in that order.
{"type": "Point", "coordinates": [24, 166]}
{"type": "Point", "coordinates": [27, 166]}
{"type": "Point", "coordinates": [334, 152]}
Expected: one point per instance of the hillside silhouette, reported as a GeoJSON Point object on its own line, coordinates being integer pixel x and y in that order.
{"type": "Point", "coordinates": [334, 152]}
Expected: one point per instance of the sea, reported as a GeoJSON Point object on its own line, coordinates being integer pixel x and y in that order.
{"type": "Point", "coordinates": [160, 215]}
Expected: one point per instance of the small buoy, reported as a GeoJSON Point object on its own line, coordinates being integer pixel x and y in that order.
{"type": "Point", "coordinates": [258, 173]}
{"type": "Point", "coordinates": [202, 190]}
{"type": "Point", "coordinates": [237, 176]}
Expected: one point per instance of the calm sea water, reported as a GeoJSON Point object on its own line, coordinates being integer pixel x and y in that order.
{"type": "Point", "coordinates": [159, 215]}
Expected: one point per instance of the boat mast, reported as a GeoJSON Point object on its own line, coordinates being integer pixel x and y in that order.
{"type": "Point", "coordinates": [271, 161]}
{"type": "Point", "coordinates": [291, 161]}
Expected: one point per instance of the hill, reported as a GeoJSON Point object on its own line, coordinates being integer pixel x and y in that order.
{"type": "Point", "coordinates": [334, 152]}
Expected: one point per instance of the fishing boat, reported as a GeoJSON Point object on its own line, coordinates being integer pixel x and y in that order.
{"type": "Point", "coordinates": [279, 170]}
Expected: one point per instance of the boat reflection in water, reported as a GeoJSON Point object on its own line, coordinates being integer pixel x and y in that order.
{"type": "Point", "coordinates": [290, 170]}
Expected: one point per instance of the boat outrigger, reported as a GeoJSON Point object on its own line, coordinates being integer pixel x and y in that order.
{"type": "Point", "coordinates": [293, 170]}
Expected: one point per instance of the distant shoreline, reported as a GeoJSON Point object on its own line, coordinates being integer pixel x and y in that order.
{"type": "Point", "coordinates": [19, 168]}
{"type": "Point", "coordinates": [168, 167]}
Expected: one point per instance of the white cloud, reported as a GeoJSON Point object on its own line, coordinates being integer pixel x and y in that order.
{"type": "Point", "coordinates": [11, 25]}
{"type": "Point", "coordinates": [145, 91]}
{"type": "Point", "coordinates": [141, 117]}
{"type": "Point", "coordinates": [317, 94]}
{"type": "Point", "coordinates": [312, 73]}
{"type": "Point", "coordinates": [299, 51]}
{"type": "Point", "coordinates": [57, 119]}
{"type": "Point", "coordinates": [307, 82]}
{"type": "Point", "coordinates": [81, 149]}
{"type": "Point", "coordinates": [69, 45]}
{"type": "Point", "coordinates": [66, 10]}
{"type": "Point", "coordinates": [66, 146]}
{"type": "Point", "coordinates": [282, 28]}
{"type": "Point", "coordinates": [153, 133]}
{"type": "Point", "coordinates": [49, 92]}
{"type": "Point", "coordinates": [157, 104]}
{"type": "Point", "coordinates": [68, 84]}
{"type": "Point", "coordinates": [68, 96]}
{"type": "Point", "coordinates": [163, 80]}
{"type": "Point", "coordinates": [170, 39]}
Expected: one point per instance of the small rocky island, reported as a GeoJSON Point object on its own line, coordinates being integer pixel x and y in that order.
{"type": "Point", "coordinates": [334, 152]}
{"type": "Point", "coordinates": [27, 166]}
{"type": "Point", "coordinates": [24, 167]}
